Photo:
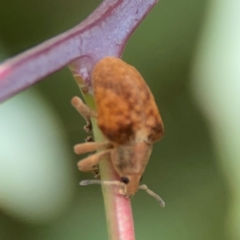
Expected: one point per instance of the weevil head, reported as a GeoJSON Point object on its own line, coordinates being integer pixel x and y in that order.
{"type": "Point", "coordinates": [131, 183]}
{"type": "Point", "coordinates": [130, 161]}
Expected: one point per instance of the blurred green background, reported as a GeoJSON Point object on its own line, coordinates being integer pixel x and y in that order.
{"type": "Point", "coordinates": [39, 193]}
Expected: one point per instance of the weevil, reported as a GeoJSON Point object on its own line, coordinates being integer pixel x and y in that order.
{"type": "Point", "coordinates": [129, 119]}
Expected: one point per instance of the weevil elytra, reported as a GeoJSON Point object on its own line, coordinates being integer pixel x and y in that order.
{"type": "Point", "coordinates": [128, 117]}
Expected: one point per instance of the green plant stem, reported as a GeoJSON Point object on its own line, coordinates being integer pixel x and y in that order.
{"type": "Point", "coordinates": [118, 208]}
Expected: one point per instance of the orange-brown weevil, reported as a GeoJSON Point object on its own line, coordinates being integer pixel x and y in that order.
{"type": "Point", "coordinates": [128, 117]}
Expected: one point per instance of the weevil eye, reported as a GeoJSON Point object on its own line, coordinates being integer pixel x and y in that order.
{"type": "Point", "coordinates": [125, 180]}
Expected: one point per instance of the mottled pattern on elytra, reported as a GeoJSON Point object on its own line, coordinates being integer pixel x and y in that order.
{"type": "Point", "coordinates": [126, 108]}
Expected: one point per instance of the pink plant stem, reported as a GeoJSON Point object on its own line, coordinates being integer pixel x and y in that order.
{"type": "Point", "coordinates": [118, 208]}
{"type": "Point", "coordinates": [104, 32]}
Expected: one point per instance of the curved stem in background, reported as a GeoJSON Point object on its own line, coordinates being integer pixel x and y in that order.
{"type": "Point", "coordinates": [104, 32]}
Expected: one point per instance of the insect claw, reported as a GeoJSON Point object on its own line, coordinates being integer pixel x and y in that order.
{"type": "Point", "coordinates": [89, 139]}
{"type": "Point", "coordinates": [97, 175]}
{"type": "Point", "coordinates": [88, 127]}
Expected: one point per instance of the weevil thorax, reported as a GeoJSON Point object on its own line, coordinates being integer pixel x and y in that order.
{"type": "Point", "coordinates": [127, 116]}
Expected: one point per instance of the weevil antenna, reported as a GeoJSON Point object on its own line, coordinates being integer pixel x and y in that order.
{"type": "Point", "coordinates": [153, 194]}
{"type": "Point", "coordinates": [103, 182]}
{"type": "Point", "coordinates": [90, 181]}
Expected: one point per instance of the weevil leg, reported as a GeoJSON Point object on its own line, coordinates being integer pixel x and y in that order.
{"type": "Point", "coordinates": [90, 163]}
{"type": "Point", "coordinates": [90, 147]}
{"type": "Point", "coordinates": [85, 111]}
{"type": "Point", "coordinates": [82, 108]}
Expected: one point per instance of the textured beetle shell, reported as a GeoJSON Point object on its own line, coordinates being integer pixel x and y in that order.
{"type": "Point", "coordinates": [127, 112]}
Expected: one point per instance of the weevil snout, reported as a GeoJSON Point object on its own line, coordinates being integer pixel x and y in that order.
{"type": "Point", "coordinates": [131, 183]}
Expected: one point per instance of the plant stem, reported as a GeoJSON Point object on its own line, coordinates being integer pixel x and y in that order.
{"type": "Point", "coordinates": [118, 208]}
{"type": "Point", "coordinates": [104, 32]}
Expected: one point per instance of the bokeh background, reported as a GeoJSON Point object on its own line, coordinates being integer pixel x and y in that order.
{"type": "Point", "coordinates": [189, 54]}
